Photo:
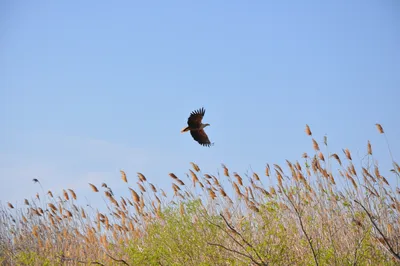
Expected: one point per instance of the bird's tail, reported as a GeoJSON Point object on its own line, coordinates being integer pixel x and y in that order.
{"type": "Point", "coordinates": [184, 129]}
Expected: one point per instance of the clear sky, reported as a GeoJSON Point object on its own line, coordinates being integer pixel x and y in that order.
{"type": "Point", "coordinates": [91, 87]}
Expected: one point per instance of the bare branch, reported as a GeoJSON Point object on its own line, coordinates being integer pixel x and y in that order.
{"type": "Point", "coordinates": [117, 260]}
{"type": "Point", "coordinates": [309, 240]}
{"type": "Point", "coordinates": [234, 239]}
{"type": "Point", "coordinates": [63, 258]}
{"type": "Point", "coordinates": [388, 245]}
{"type": "Point", "coordinates": [248, 255]}
{"type": "Point", "coordinates": [237, 252]}
{"type": "Point", "coordinates": [244, 240]}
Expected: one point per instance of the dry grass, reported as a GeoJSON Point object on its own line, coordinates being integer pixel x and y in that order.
{"type": "Point", "coordinates": [320, 211]}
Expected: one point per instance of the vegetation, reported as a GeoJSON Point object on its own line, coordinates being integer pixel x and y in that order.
{"type": "Point", "coordinates": [321, 211]}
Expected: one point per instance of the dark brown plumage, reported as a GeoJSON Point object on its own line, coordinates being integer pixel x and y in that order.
{"type": "Point", "coordinates": [196, 127]}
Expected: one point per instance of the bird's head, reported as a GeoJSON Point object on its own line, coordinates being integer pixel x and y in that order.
{"type": "Point", "coordinates": [206, 125]}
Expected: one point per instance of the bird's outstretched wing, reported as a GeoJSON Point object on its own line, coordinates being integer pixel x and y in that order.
{"type": "Point", "coordinates": [195, 118]}
{"type": "Point", "coordinates": [201, 137]}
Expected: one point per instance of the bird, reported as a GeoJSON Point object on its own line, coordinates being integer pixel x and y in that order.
{"type": "Point", "coordinates": [196, 127]}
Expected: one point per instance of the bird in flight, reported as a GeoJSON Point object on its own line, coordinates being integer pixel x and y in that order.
{"type": "Point", "coordinates": [196, 127]}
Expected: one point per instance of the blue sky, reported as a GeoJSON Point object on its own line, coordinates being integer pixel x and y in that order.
{"type": "Point", "coordinates": [91, 87]}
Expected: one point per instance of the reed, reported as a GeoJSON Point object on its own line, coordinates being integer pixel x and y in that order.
{"type": "Point", "coordinates": [318, 210]}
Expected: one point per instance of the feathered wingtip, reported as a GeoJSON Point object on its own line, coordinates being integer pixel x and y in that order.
{"type": "Point", "coordinates": [200, 111]}
{"type": "Point", "coordinates": [207, 144]}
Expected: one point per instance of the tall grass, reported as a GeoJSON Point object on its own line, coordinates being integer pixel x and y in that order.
{"type": "Point", "coordinates": [321, 210]}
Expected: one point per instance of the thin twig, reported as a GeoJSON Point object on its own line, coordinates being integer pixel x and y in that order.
{"type": "Point", "coordinates": [248, 255]}
{"type": "Point", "coordinates": [234, 239]}
{"type": "Point", "coordinates": [235, 251]}
{"type": "Point", "coordinates": [63, 258]}
{"type": "Point", "coordinates": [389, 246]}
{"type": "Point", "coordinates": [117, 260]}
{"type": "Point", "coordinates": [357, 248]}
{"type": "Point", "coordinates": [303, 229]}
{"type": "Point", "coordinates": [244, 240]}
